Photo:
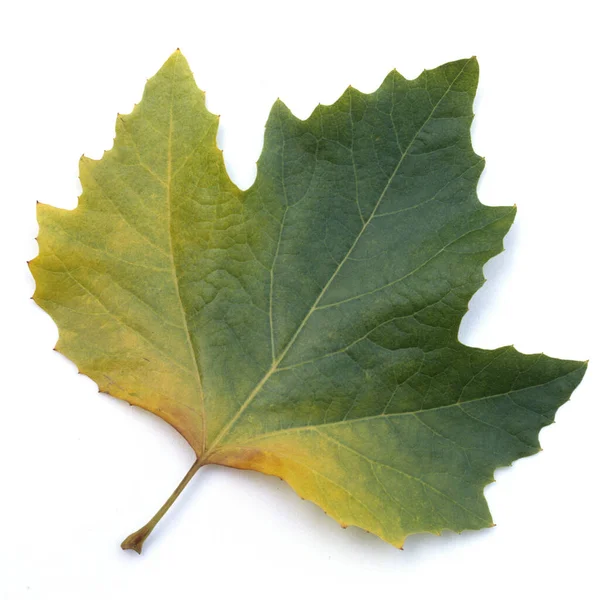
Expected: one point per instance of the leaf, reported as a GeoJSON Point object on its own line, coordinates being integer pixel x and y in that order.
{"type": "Point", "coordinates": [306, 328]}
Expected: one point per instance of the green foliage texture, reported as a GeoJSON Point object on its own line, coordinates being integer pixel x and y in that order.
{"type": "Point", "coordinates": [307, 327]}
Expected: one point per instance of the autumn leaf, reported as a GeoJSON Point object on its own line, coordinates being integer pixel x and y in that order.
{"type": "Point", "coordinates": [307, 327]}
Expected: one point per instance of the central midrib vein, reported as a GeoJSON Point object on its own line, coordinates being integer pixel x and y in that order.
{"type": "Point", "coordinates": [227, 428]}
{"type": "Point", "coordinates": [174, 265]}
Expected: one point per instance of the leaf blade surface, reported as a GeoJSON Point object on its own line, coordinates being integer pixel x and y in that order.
{"type": "Point", "coordinates": [307, 327]}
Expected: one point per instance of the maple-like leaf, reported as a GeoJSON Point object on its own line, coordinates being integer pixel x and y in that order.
{"type": "Point", "coordinates": [305, 328]}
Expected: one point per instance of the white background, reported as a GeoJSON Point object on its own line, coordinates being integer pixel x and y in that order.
{"type": "Point", "coordinates": [79, 470]}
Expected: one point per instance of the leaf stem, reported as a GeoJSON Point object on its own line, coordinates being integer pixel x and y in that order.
{"type": "Point", "coordinates": [136, 540]}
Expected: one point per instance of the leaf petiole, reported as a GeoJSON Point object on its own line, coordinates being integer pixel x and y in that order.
{"type": "Point", "coordinates": [136, 540]}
